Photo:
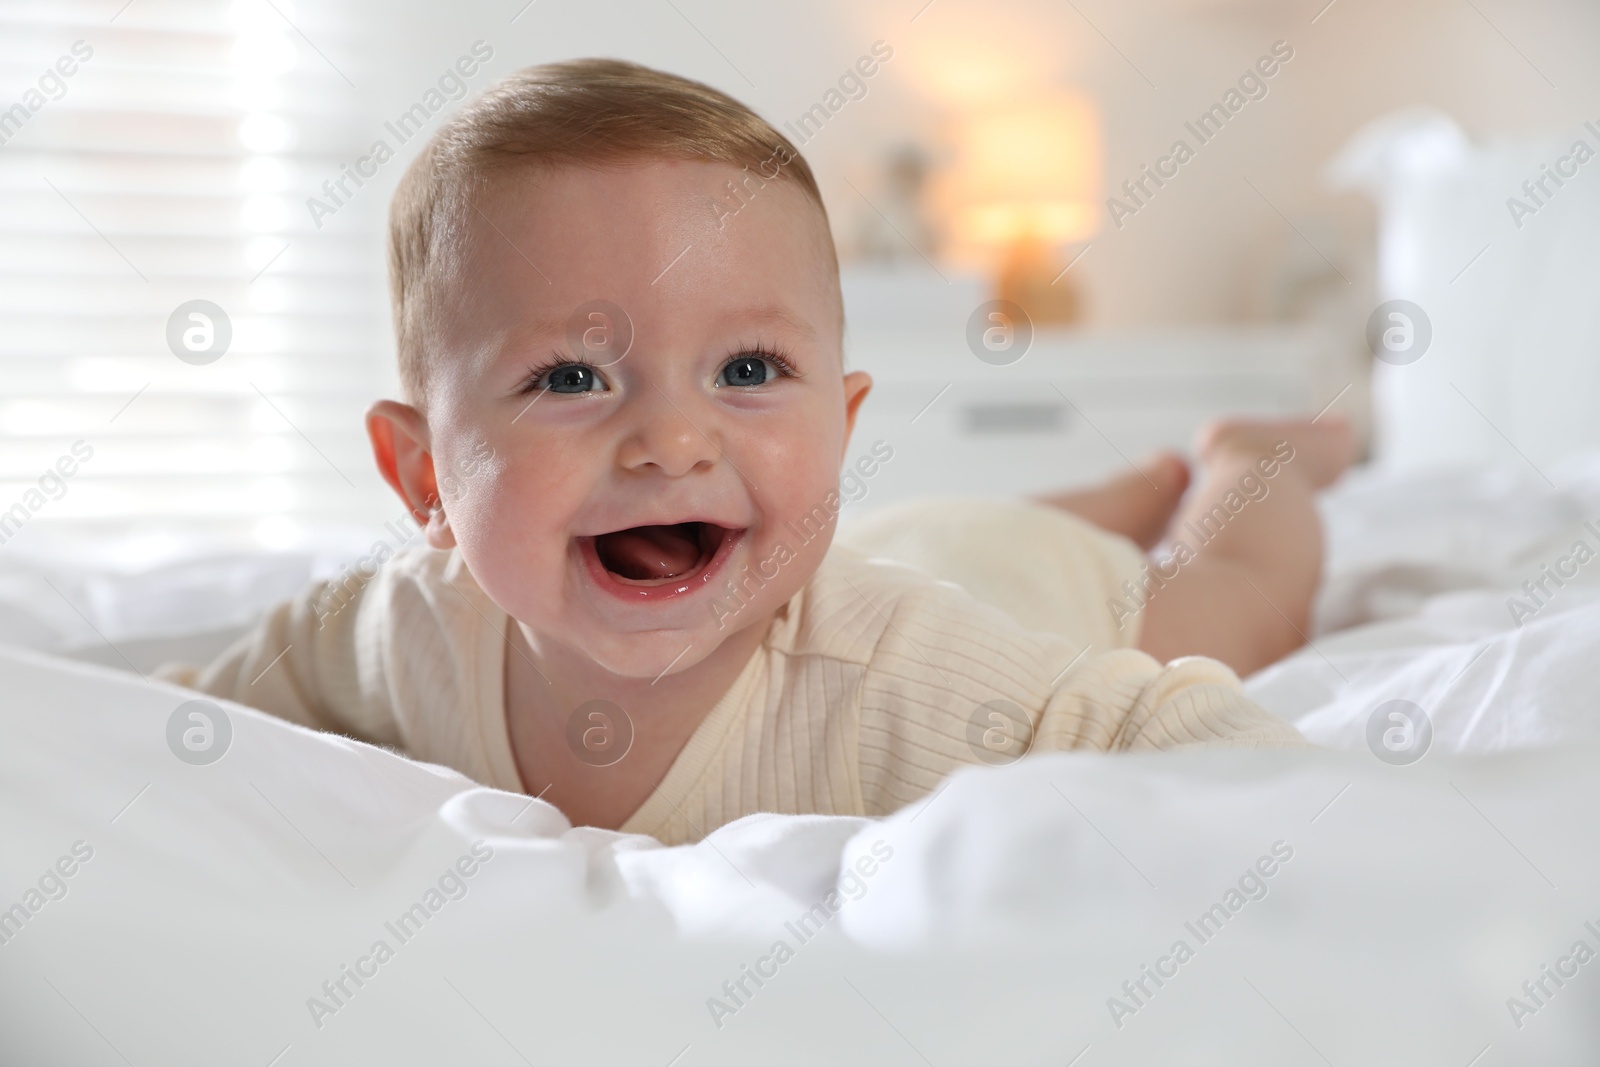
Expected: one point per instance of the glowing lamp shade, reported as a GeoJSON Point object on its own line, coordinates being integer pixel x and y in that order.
{"type": "Point", "coordinates": [1026, 172]}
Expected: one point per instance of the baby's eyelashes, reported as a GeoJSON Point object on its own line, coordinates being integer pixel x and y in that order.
{"type": "Point", "coordinates": [756, 365]}
{"type": "Point", "coordinates": [748, 367]}
{"type": "Point", "coordinates": [563, 376]}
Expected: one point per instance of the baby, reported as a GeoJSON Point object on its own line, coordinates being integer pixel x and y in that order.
{"type": "Point", "coordinates": [620, 338]}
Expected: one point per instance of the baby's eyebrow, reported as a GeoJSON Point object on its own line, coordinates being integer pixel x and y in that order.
{"type": "Point", "coordinates": [536, 328]}
{"type": "Point", "coordinates": [542, 328]}
{"type": "Point", "coordinates": [777, 314]}
{"type": "Point", "coordinates": [538, 332]}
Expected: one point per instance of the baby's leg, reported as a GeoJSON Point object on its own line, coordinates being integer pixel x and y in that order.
{"type": "Point", "coordinates": [1246, 547]}
{"type": "Point", "coordinates": [1138, 505]}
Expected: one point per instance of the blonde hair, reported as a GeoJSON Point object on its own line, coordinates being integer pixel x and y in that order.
{"type": "Point", "coordinates": [584, 112]}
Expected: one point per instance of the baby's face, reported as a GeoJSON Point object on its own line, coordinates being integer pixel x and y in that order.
{"type": "Point", "coordinates": [607, 502]}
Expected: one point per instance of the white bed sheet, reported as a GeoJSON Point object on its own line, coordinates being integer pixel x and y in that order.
{"type": "Point", "coordinates": [1009, 911]}
{"type": "Point", "coordinates": [1016, 903]}
{"type": "Point", "coordinates": [1425, 601]}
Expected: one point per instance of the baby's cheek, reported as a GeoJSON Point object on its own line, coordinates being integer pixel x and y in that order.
{"type": "Point", "coordinates": [514, 555]}
{"type": "Point", "coordinates": [496, 515]}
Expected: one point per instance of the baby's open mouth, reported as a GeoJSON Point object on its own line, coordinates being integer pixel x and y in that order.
{"type": "Point", "coordinates": [653, 555]}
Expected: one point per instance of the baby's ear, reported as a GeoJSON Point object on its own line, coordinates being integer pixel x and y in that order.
{"type": "Point", "coordinates": [402, 448]}
{"type": "Point", "coordinates": [857, 384]}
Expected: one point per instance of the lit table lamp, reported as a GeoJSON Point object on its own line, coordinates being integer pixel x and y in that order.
{"type": "Point", "coordinates": [1025, 188]}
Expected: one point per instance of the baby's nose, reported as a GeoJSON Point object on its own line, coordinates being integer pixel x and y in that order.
{"type": "Point", "coordinates": [664, 435]}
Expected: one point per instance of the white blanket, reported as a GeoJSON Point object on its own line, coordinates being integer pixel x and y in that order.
{"type": "Point", "coordinates": [1330, 906]}
{"type": "Point", "coordinates": [1400, 909]}
{"type": "Point", "coordinates": [1475, 596]}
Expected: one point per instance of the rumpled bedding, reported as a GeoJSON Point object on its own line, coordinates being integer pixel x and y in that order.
{"type": "Point", "coordinates": [306, 899]}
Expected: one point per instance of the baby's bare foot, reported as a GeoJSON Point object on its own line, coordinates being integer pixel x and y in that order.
{"type": "Point", "coordinates": [1322, 449]}
{"type": "Point", "coordinates": [1138, 505]}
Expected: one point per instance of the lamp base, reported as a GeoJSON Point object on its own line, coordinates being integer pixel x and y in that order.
{"type": "Point", "coordinates": [1030, 278]}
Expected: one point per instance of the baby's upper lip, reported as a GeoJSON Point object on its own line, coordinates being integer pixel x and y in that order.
{"type": "Point", "coordinates": [664, 518]}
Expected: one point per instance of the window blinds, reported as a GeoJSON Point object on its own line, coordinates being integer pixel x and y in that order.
{"type": "Point", "coordinates": [171, 166]}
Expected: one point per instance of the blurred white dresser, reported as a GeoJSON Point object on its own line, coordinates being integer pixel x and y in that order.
{"type": "Point", "coordinates": [1076, 407]}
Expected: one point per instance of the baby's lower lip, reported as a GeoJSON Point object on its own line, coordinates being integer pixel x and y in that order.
{"type": "Point", "coordinates": [655, 592]}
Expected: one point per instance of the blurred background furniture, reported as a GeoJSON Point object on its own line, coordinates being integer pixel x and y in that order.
{"type": "Point", "coordinates": [1075, 407]}
{"type": "Point", "coordinates": [180, 160]}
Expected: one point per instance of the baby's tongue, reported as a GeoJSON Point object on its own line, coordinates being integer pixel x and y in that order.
{"type": "Point", "coordinates": [646, 552]}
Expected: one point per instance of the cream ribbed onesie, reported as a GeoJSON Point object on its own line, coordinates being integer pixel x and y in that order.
{"type": "Point", "coordinates": [873, 683]}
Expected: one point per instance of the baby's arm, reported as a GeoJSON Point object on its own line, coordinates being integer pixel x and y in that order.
{"type": "Point", "coordinates": [1127, 701]}
{"type": "Point", "coordinates": [305, 662]}
{"type": "Point", "coordinates": [955, 682]}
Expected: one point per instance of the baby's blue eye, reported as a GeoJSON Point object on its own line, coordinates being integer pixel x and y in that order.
{"type": "Point", "coordinates": [746, 370]}
{"type": "Point", "coordinates": [572, 378]}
